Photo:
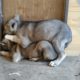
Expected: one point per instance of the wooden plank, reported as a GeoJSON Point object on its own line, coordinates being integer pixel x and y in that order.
{"type": "Point", "coordinates": [33, 10]}
{"type": "Point", "coordinates": [66, 10]}
{"type": "Point", "coordinates": [74, 22]}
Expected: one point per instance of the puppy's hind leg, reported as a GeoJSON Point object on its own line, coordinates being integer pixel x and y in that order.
{"type": "Point", "coordinates": [58, 61]}
{"type": "Point", "coordinates": [47, 50]}
{"type": "Point", "coordinates": [59, 47]}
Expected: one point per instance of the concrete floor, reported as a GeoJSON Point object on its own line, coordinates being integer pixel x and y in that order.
{"type": "Point", "coordinates": [28, 70]}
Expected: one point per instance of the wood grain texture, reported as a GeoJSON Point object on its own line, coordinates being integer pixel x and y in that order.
{"type": "Point", "coordinates": [74, 22]}
{"type": "Point", "coordinates": [33, 10]}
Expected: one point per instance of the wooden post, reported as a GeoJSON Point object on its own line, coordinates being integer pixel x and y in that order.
{"type": "Point", "coordinates": [1, 20]}
{"type": "Point", "coordinates": [66, 10]}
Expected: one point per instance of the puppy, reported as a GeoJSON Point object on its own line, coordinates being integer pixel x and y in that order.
{"type": "Point", "coordinates": [41, 50]}
{"type": "Point", "coordinates": [55, 31]}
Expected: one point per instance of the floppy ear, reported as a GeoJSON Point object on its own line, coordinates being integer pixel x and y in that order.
{"type": "Point", "coordinates": [15, 22]}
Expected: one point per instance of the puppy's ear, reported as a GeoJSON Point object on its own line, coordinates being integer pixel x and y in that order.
{"type": "Point", "coordinates": [14, 23]}
{"type": "Point", "coordinates": [17, 17]}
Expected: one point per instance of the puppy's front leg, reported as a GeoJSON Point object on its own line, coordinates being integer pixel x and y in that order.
{"type": "Point", "coordinates": [59, 47]}
{"type": "Point", "coordinates": [17, 55]}
{"type": "Point", "coordinates": [13, 38]}
{"type": "Point", "coordinates": [23, 41]}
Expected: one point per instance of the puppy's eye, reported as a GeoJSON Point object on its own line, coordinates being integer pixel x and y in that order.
{"type": "Point", "coordinates": [13, 25]}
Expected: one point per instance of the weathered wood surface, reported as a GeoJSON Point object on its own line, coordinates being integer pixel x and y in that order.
{"type": "Point", "coordinates": [32, 10]}
{"type": "Point", "coordinates": [66, 10]}
{"type": "Point", "coordinates": [74, 22]}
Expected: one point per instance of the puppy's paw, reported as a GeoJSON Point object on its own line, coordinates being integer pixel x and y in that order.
{"type": "Point", "coordinates": [53, 64]}
{"type": "Point", "coordinates": [17, 57]}
{"type": "Point", "coordinates": [16, 60]}
{"type": "Point", "coordinates": [9, 37]}
{"type": "Point", "coordinates": [34, 59]}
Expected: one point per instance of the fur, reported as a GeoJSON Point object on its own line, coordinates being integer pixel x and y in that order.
{"type": "Point", "coordinates": [55, 31]}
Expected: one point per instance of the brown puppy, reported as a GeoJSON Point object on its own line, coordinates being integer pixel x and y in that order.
{"type": "Point", "coordinates": [41, 50]}
{"type": "Point", "coordinates": [55, 31]}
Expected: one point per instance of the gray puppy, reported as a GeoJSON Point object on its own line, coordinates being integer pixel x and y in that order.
{"type": "Point", "coordinates": [55, 31]}
{"type": "Point", "coordinates": [41, 50]}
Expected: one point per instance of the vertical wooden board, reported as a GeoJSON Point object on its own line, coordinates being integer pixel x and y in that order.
{"type": "Point", "coordinates": [74, 23]}
{"type": "Point", "coordinates": [8, 8]}
{"type": "Point", "coordinates": [34, 9]}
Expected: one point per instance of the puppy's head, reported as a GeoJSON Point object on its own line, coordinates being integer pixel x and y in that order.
{"type": "Point", "coordinates": [12, 25]}
{"type": "Point", "coordinates": [6, 45]}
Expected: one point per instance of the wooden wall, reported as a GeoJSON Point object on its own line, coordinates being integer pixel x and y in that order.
{"type": "Point", "coordinates": [34, 9]}
{"type": "Point", "coordinates": [74, 22]}
{"type": "Point", "coordinates": [74, 13]}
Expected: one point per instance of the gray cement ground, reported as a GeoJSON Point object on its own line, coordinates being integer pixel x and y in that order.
{"type": "Point", "coordinates": [27, 70]}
